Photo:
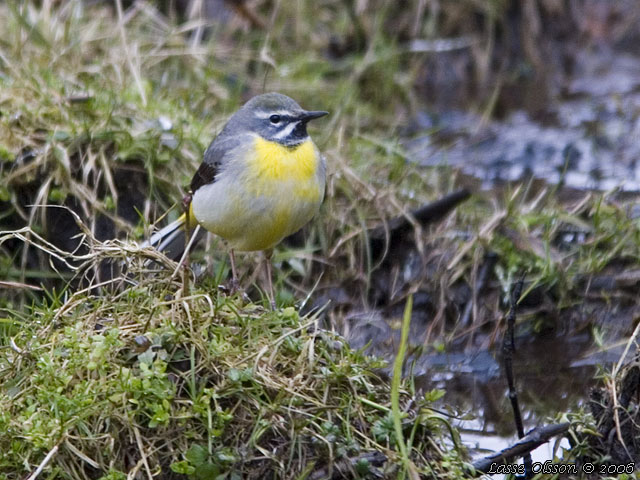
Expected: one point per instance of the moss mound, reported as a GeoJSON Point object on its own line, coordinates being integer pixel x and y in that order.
{"type": "Point", "coordinates": [147, 379]}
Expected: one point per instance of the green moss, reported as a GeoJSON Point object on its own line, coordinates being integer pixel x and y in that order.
{"type": "Point", "coordinates": [201, 385]}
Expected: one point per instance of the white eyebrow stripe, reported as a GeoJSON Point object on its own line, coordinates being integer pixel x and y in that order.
{"type": "Point", "coordinates": [286, 131]}
{"type": "Point", "coordinates": [263, 114]}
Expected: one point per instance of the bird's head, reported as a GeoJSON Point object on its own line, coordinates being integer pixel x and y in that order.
{"type": "Point", "coordinates": [275, 117]}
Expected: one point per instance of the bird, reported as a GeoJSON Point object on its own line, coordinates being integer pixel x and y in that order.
{"type": "Point", "coordinates": [262, 178]}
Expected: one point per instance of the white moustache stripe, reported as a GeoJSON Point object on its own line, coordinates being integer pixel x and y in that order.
{"type": "Point", "coordinates": [286, 131]}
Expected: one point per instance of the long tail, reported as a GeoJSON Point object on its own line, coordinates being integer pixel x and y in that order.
{"type": "Point", "coordinates": [163, 237]}
{"type": "Point", "coordinates": [170, 239]}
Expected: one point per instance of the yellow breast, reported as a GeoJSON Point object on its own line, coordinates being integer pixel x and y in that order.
{"type": "Point", "coordinates": [275, 165]}
{"type": "Point", "coordinates": [273, 192]}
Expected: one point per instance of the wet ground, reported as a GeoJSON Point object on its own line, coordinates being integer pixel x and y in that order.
{"type": "Point", "coordinates": [554, 373]}
{"type": "Point", "coordinates": [587, 139]}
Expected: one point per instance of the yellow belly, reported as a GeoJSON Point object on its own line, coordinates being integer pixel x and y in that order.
{"type": "Point", "coordinates": [272, 195]}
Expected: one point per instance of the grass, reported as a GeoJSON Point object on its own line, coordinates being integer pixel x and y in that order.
{"type": "Point", "coordinates": [107, 113]}
{"type": "Point", "coordinates": [114, 129]}
{"type": "Point", "coordinates": [395, 390]}
{"type": "Point", "coordinates": [139, 378]}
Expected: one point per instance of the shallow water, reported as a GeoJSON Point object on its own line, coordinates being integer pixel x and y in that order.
{"type": "Point", "coordinates": [587, 139]}
{"type": "Point", "coordinates": [553, 374]}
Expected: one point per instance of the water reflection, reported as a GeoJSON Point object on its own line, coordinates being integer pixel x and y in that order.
{"type": "Point", "coordinates": [554, 373]}
{"type": "Point", "coordinates": [547, 384]}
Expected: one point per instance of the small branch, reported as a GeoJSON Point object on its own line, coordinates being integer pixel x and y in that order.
{"type": "Point", "coordinates": [44, 463]}
{"type": "Point", "coordinates": [186, 203]}
{"type": "Point", "coordinates": [424, 215]}
{"type": "Point", "coordinates": [142, 454]}
{"type": "Point", "coordinates": [508, 347]}
{"type": "Point", "coordinates": [18, 285]}
{"type": "Point", "coordinates": [525, 445]}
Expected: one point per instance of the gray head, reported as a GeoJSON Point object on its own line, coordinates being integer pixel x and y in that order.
{"type": "Point", "coordinates": [274, 117]}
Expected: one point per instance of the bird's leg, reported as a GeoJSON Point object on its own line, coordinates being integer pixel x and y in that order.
{"type": "Point", "coordinates": [186, 203]}
{"type": "Point", "coordinates": [234, 273]}
{"type": "Point", "coordinates": [271, 295]}
{"type": "Point", "coordinates": [186, 206]}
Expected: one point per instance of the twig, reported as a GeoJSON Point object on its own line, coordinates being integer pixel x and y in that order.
{"type": "Point", "coordinates": [44, 463]}
{"type": "Point", "coordinates": [508, 347]}
{"type": "Point", "coordinates": [142, 454]}
{"type": "Point", "coordinates": [526, 444]}
{"type": "Point", "coordinates": [187, 232]}
{"type": "Point", "coordinates": [194, 236]}
{"type": "Point", "coordinates": [8, 284]}
{"type": "Point", "coordinates": [614, 395]}
{"type": "Point", "coordinates": [426, 214]}
{"type": "Point", "coordinates": [383, 238]}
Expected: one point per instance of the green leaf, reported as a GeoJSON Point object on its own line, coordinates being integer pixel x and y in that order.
{"type": "Point", "coordinates": [197, 455]}
{"type": "Point", "coordinates": [182, 467]}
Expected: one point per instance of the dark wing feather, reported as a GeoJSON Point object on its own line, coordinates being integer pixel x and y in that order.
{"type": "Point", "coordinates": [214, 158]}
{"type": "Point", "coordinates": [210, 165]}
{"type": "Point", "coordinates": [205, 174]}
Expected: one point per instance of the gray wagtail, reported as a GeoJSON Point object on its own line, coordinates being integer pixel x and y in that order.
{"type": "Point", "coordinates": [261, 179]}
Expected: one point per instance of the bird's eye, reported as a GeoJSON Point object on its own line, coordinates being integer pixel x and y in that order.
{"type": "Point", "coordinates": [275, 119]}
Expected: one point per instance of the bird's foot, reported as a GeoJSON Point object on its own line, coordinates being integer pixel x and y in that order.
{"type": "Point", "coordinates": [234, 286]}
{"type": "Point", "coordinates": [231, 287]}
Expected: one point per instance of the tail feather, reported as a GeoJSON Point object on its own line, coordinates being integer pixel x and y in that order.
{"type": "Point", "coordinates": [170, 239]}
